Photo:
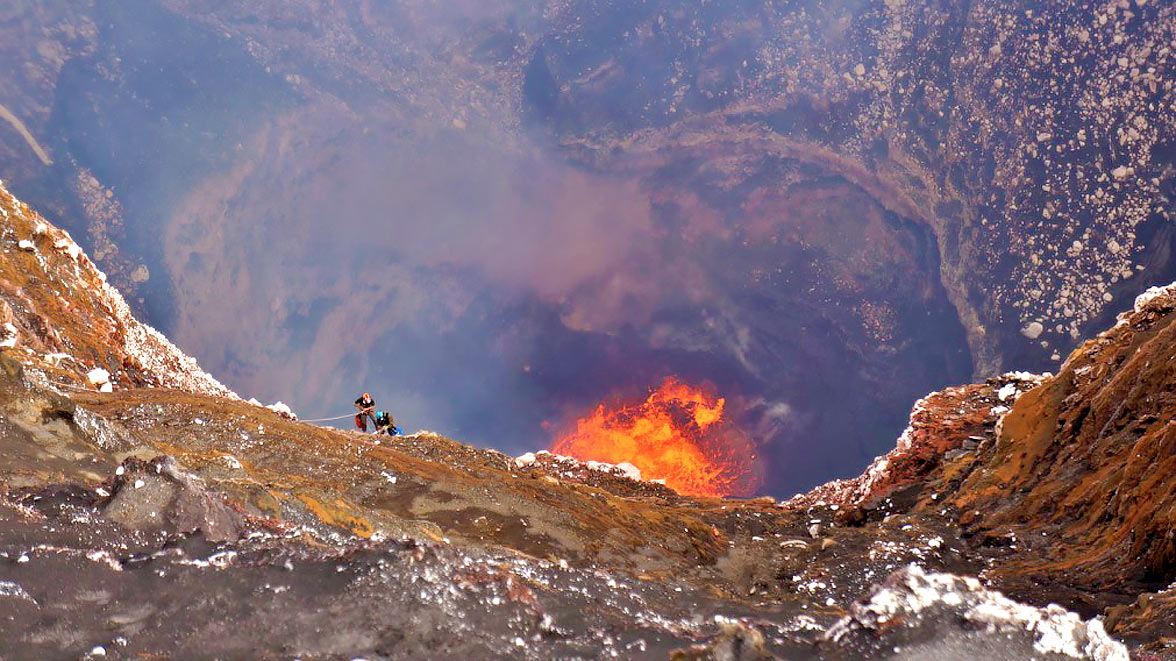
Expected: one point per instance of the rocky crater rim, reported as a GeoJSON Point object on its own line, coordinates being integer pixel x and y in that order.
{"type": "Point", "coordinates": [107, 417]}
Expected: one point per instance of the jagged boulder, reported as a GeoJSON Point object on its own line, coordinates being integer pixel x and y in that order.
{"type": "Point", "coordinates": [920, 615]}
{"type": "Point", "coordinates": [736, 642]}
{"type": "Point", "coordinates": [157, 495]}
{"type": "Point", "coordinates": [1082, 476]}
{"type": "Point", "coordinates": [59, 314]}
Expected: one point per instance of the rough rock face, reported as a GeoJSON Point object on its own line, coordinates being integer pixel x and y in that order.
{"type": "Point", "coordinates": [1034, 140]}
{"type": "Point", "coordinates": [946, 616]}
{"type": "Point", "coordinates": [1010, 164]}
{"type": "Point", "coordinates": [59, 311]}
{"type": "Point", "coordinates": [144, 520]}
{"type": "Point", "coordinates": [1086, 459]}
{"type": "Point", "coordinates": [1073, 481]}
{"type": "Point", "coordinates": [159, 495]}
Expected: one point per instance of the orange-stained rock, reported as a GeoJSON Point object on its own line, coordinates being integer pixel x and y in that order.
{"type": "Point", "coordinates": [1081, 481]}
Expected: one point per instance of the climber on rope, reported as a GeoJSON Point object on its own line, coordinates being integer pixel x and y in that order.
{"type": "Point", "coordinates": [386, 424]}
{"type": "Point", "coordinates": [367, 407]}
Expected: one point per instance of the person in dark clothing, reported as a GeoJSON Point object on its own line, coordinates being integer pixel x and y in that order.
{"type": "Point", "coordinates": [386, 424]}
{"type": "Point", "coordinates": [367, 407]}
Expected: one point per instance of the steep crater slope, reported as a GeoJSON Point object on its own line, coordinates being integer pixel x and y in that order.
{"type": "Point", "coordinates": [1086, 460]}
{"type": "Point", "coordinates": [59, 312]}
{"type": "Point", "coordinates": [1069, 488]}
{"type": "Point", "coordinates": [146, 490]}
{"type": "Point", "coordinates": [1034, 140]}
{"type": "Point", "coordinates": [1010, 163]}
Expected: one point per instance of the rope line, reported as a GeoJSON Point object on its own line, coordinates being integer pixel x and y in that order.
{"type": "Point", "coordinates": [84, 389]}
{"type": "Point", "coordinates": [338, 417]}
{"type": "Point", "coordinates": [72, 386]}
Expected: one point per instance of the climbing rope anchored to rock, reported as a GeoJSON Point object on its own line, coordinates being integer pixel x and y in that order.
{"type": "Point", "coordinates": [383, 420]}
{"type": "Point", "coordinates": [338, 417]}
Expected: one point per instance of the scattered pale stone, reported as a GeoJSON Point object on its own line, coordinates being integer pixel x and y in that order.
{"type": "Point", "coordinates": [11, 336]}
{"type": "Point", "coordinates": [1006, 391]}
{"type": "Point", "coordinates": [1033, 330]}
{"type": "Point", "coordinates": [98, 376]}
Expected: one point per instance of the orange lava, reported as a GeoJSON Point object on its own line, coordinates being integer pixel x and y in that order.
{"type": "Point", "coordinates": [675, 435]}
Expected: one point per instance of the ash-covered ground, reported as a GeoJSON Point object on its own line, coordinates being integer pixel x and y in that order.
{"type": "Point", "coordinates": [145, 510]}
{"type": "Point", "coordinates": [826, 208]}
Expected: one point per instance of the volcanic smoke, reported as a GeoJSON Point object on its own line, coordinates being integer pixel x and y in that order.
{"type": "Point", "coordinates": [678, 434]}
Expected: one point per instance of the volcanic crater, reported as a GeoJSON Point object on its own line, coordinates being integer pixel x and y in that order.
{"type": "Point", "coordinates": [147, 510]}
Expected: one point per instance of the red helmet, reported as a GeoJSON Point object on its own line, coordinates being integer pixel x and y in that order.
{"type": "Point", "coordinates": [367, 396]}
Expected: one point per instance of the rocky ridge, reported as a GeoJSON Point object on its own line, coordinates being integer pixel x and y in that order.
{"type": "Point", "coordinates": [60, 313]}
{"type": "Point", "coordinates": [127, 502]}
{"type": "Point", "coordinates": [1011, 164]}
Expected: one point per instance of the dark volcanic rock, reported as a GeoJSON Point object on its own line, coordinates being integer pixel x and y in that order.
{"type": "Point", "coordinates": [1086, 459]}
{"type": "Point", "coordinates": [797, 200]}
{"type": "Point", "coordinates": [1068, 490]}
{"type": "Point", "coordinates": [915, 615]}
{"type": "Point", "coordinates": [158, 495]}
{"type": "Point", "coordinates": [287, 594]}
{"type": "Point", "coordinates": [736, 642]}
{"type": "Point", "coordinates": [233, 531]}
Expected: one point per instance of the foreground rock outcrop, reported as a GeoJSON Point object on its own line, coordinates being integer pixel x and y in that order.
{"type": "Point", "coordinates": [58, 312]}
{"type": "Point", "coordinates": [152, 512]}
{"type": "Point", "coordinates": [1073, 481]}
{"type": "Point", "coordinates": [944, 616]}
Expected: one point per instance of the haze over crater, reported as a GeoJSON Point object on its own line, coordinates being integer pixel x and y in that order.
{"type": "Point", "coordinates": [495, 215]}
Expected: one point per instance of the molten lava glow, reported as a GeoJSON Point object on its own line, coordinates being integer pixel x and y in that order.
{"type": "Point", "coordinates": [675, 435]}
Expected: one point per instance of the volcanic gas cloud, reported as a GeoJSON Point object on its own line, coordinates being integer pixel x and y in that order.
{"type": "Point", "coordinates": [678, 434]}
